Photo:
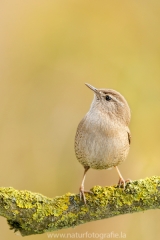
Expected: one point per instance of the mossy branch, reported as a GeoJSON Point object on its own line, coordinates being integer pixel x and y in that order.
{"type": "Point", "coordinates": [32, 213]}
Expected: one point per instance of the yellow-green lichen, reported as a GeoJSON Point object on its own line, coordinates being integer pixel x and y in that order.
{"type": "Point", "coordinates": [34, 213]}
{"type": "Point", "coordinates": [59, 205]}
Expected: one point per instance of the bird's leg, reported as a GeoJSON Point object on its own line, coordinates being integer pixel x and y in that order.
{"type": "Point", "coordinates": [81, 189]}
{"type": "Point", "coordinates": [121, 179]}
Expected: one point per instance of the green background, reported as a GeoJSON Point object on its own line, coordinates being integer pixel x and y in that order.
{"type": "Point", "coordinates": [48, 50]}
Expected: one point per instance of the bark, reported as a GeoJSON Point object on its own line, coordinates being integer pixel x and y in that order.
{"type": "Point", "coordinates": [32, 213]}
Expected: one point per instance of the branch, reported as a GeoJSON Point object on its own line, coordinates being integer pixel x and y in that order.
{"type": "Point", "coordinates": [32, 213]}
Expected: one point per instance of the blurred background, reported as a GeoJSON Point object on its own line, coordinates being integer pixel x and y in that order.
{"type": "Point", "coordinates": [48, 50]}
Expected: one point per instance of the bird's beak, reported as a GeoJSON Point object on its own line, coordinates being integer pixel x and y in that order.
{"type": "Point", "coordinates": [93, 89]}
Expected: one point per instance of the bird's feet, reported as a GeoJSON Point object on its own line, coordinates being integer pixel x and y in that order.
{"type": "Point", "coordinates": [123, 182]}
{"type": "Point", "coordinates": [82, 193]}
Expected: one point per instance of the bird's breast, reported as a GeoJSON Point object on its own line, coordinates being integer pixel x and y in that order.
{"type": "Point", "coordinates": [101, 143]}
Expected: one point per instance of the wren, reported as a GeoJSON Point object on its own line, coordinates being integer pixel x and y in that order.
{"type": "Point", "coordinates": [103, 137]}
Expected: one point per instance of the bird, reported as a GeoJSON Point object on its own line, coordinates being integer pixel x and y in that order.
{"type": "Point", "coordinates": [103, 138]}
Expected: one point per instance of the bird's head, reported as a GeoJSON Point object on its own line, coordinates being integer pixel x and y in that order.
{"type": "Point", "coordinates": [110, 102]}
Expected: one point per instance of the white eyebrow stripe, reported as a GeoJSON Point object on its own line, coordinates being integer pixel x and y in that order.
{"type": "Point", "coordinates": [114, 98]}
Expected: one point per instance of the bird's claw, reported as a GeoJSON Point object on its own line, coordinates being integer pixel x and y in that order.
{"type": "Point", "coordinates": [82, 193]}
{"type": "Point", "coordinates": [123, 182]}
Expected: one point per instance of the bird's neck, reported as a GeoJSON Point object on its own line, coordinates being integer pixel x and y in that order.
{"type": "Point", "coordinates": [102, 120]}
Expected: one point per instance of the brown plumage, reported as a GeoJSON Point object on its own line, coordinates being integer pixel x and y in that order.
{"type": "Point", "coordinates": [103, 138]}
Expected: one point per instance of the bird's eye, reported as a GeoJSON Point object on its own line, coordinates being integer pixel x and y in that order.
{"type": "Point", "coordinates": [108, 98]}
